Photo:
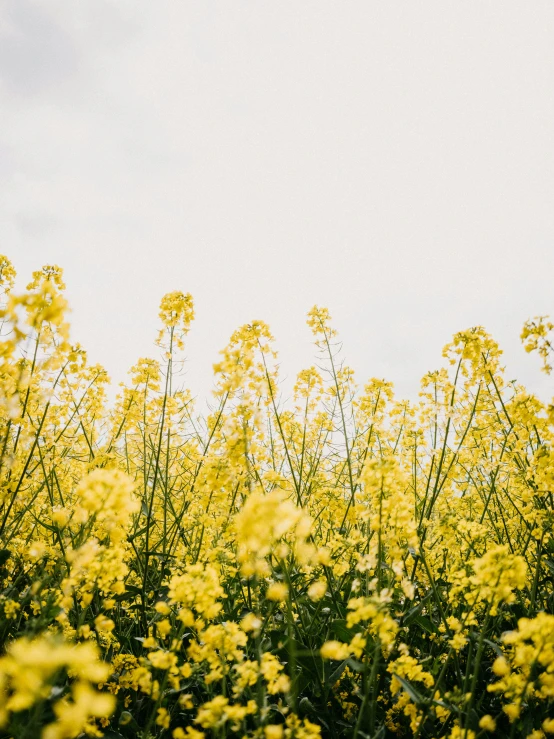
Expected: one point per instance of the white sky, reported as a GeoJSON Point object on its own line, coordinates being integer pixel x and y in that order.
{"type": "Point", "coordinates": [391, 160]}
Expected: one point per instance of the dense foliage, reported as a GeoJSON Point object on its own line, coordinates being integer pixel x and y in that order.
{"type": "Point", "coordinates": [343, 564]}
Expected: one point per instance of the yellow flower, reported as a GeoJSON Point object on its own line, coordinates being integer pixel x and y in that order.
{"type": "Point", "coordinates": [373, 610]}
{"type": "Point", "coordinates": [102, 623]}
{"type": "Point", "coordinates": [251, 622]}
{"type": "Point", "coordinates": [188, 733]}
{"type": "Point", "coordinates": [28, 670]}
{"type": "Point", "coordinates": [272, 671]}
{"type": "Point", "coordinates": [391, 514]}
{"type": "Point", "coordinates": [262, 522]}
{"type": "Point", "coordinates": [176, 313]}
{"type": "Point", "coordinates": [72, 717]}
{"type": "Point", "coordinates": [108, 496]}
{"type": "Point", "coordinates": [497, 574]}
{"type": "Point", "coordinates": [317, 590]}
{"type": "Point", "coordinates": [301, 728]}
{"type": "Point", "coordinates": [163, 718]}
{"type": "Point", "coordinates": [512, 711]}
{"type": "Point", "coordinates": [319, 321]}
{"type": "Point", "coordinates": [459, 733]}
{"type": "Point", "coordinates": [277, 591]}
{"type": "Point", "coordinates": [7, 273]}
{"type": "Point", "coordinates": [500, 666]}
{"type": "Point", "coordinates": [487, 723]}
{"type": "Point", "coordinates": [536, 337]}
{"type": "Point", "coordinates": [162, 660]}
{"type": "Point", "coordinates": [162, 608]}
{"type": "Point", "coordinates": [408, 667]}
{"type": "Point", "coordinates": [273, 731]}
{"type": "Point", "coordinates": [335, 650]}
{"type": "Point", "coordinates": [198, 588]}
{"type": "Point", "coordinates": [11, 608]}
{"type": "Point", "coordinates": [163, 627]}
{"type": "Point", "coordinates": [218, 711]}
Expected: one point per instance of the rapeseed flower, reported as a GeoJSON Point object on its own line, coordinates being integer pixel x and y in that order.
{"type": "Point", "coordinates": [343, 563]}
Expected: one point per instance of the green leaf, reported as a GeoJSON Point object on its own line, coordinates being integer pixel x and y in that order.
{"type": "Point", "coordinates": [5, 554]}
{"type": "Point", "coordinates": [339, 629]}
{"type": "Point", "coordinates": [306, 707]}
{"type": "Point", "coordinates": [494, 646]}
{"type": "Point", "coordinates": [133, 589]}
{"type": "Point", "coordinates": [415, 610]}
{"type": "Point", "coordinates": [336, 674]}
{"type": "Point", "coordinates": [425, 623]}
{"type": "Point", "coordinates": [415, 696]}
{"type": "Point", "coordinates": [355, 665]}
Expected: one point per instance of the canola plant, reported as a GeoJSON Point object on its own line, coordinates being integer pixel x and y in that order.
{"type": "Point", "coordinates": [343, 564]}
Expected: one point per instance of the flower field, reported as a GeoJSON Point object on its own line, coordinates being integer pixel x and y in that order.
{"type": "Point", "coordinates": [339, 563]}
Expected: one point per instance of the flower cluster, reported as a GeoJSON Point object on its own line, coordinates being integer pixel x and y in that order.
{"type": "Point", "coordinates": [339, 564]}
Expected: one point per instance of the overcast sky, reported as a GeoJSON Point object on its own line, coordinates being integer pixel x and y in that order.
{"type": "Point", "coordinates": [393, 161]}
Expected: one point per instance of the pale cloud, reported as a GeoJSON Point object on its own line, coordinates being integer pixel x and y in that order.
{"type": "Point", "coordinates": [392, 161]}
